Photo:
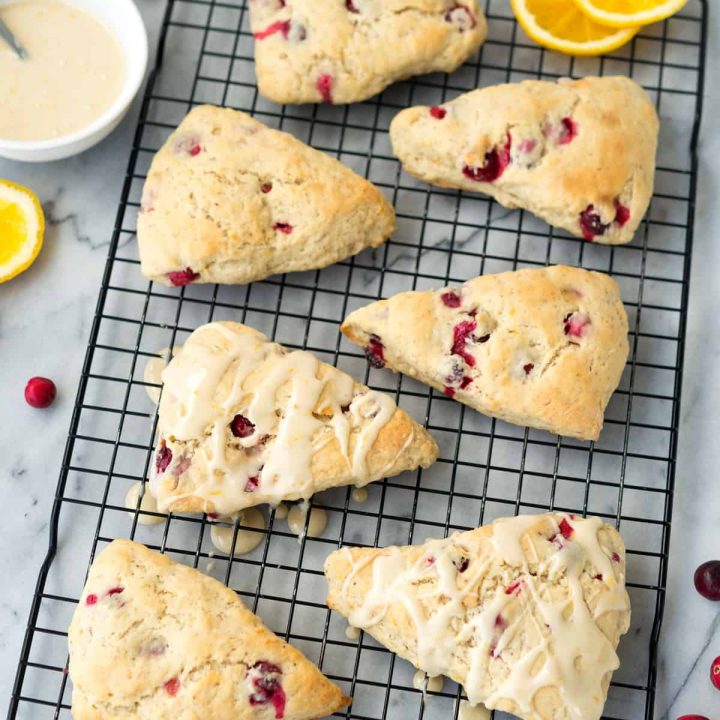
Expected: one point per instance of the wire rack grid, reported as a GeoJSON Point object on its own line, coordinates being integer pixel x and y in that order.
{"type": "Point", "coordinates": [487, 468]}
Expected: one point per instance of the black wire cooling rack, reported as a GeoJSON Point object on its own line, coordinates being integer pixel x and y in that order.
{"type": "Point", "coordinates": [487, 468]}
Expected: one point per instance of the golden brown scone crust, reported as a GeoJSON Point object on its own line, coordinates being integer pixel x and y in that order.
{"type": "Point", "coordinates": [522, 601]}
{"type": "Point", "coordinates": [229, 200]}
{"type": "Point", "coordinates": [309, 51]}
{"type": "Point", "coordinates": [162, 641]}
{"type": "Point", "coordinates": [568, 148]}
{"type": "Point", "coordinates": [358, 436]}
{"type": "Point", "coordinates": [549, 345]}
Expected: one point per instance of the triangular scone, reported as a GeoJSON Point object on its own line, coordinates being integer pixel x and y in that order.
{"type": "Point", "coordinates": [153, 639]}
{"type": "Point", "coordinates": [525, 613]}
{"type": "Point", "coordinates": [243, 421]}
{"type": "Point", "coordinates": [344, 51]}
{"type": "Point", "coordinates": [578, 154]}
{"type": "Point", "coordinates": [229, 200]}
{"type": "Point", "coordinates": [544, 348]}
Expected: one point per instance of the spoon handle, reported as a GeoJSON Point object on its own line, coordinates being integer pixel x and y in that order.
{"type": "Point", "coordinates": [6, 35]}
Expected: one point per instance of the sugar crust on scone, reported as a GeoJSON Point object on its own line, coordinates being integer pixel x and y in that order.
{"type": "Point", "coordinates": [580, 154]}
{"type": "Point", "coordinates": [543, 348]}
{"type": "Point", "coordinates": [525, 613]}
{"type": "Point", "coordinates": [152, 639]}
{"type": "Point", "coordinates": [230, 200]}
{"type": "Point", "coordinates": [345, 51]}
{"type": "Point", "coordinates": [243, 421]}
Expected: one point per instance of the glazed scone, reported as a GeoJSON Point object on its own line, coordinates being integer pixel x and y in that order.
{"type": "Point", "coordinates": [525, 613]}
{"type": "Point", "coordinates": [580, 154]}
{"type": "Point", "coordinates": [543, 348]}
{"type": "Point", "coordinates": [243, 421]}
{"type": "Point", "coordinates": [345, 51]}
{"type": "Point", "coordinates": [229, 200]}
{"type": "Point", "coordinates": [155, 640]}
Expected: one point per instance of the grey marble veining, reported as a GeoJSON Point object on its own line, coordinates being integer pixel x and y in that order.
{"type": "Point", "coordinates": [45, 319]}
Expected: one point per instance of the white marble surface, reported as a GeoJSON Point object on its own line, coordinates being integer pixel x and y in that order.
{"type": "Point", "coordinates": [45, 318]}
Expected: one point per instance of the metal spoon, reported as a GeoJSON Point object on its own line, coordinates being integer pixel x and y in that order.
{"type": "Point", "coordinates": [11, 40]}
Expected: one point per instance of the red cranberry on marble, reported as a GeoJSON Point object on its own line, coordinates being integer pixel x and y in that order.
{"type": "Point", "coordinates": [241, 427]}
{"type": "Point", "coordinates": [163, 458]}
{"type": "Point", "coordinates": [324, 85]}
{"type": "Point", "coordinates": [40, 392]}
{"type": "Point", "coordinates": [179, 278]}
{"type": "Point", "coordinates": [461, 16]}
{"type": "Point", "coordinates": [707, 580]}
{"type": "Point", "coordinates": [437, 112]}
{"type": "Point", "coordinates": [715, 672]}
{"type": "Point", "coordinates": [172, 687]}
{"type": "Point", "coordinates": [280, 26]}
{"type": "Point", "coordinates": [568, 131]}
{"type": "Point", "coordinates": [264, 679]}
{"type": "Point", "coordinates": [494, 164]}
{"type": "Point", "coordinates": [285, 228]}
{"type": "Point", "coordinates": [451, 299]}
{"type": "Point", "coordinates": [375, 352]}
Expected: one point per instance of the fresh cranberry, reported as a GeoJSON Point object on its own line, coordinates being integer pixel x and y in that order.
{"type": "Point", "coordinates": [437, 112]}
{"type": "Point", "coordinates": [195, 150]}
{"type": "Point", "coordinates": [324, 84]}
{"type": "Point", "coordinates": [575, 324]}
{"type": "Point", "coordinates": [591, 224]}
{"type": "Point", "coordinates": [463, 564]}
{"type": "Point", "coordinates": [451, 299]}
{"type": "Point", "coordinates": [265, 681]}
{"type": "Point", "coordinates": [715, 672]}
{"type": "Point", "coordinates": [622, 213]}
{"type": "Point", "coordinates": [241, 427]}
{"type": "Point", "coordinates": [495, 162]}
{"type": "Point", "coordinates": [179, 278]}
{"type": "Point", "coordinates": [515, 588]}
{"type": "Point", "coordinates": [163, 457]}
{"type": "Point", "coordinates": [91, 599]}
{"type": "Point", "coordinates": [461, 332]}
{"type": "Point", "coordinates": [116, 590]}
{"type": "Point", "coordinates": [375, 352]}
{"type": "Point", "coordinates": [568, 131]}
{"type": "Point", "coordinates": [40, 392]}
{"type": "Point", "coordinates": [566, 529]}
{"type": "Point", "coordinates": [281, 26]}
{"type": "Point", "coordinates": [266, 187]}
{"type": "Point", "coordinates": [462, 16]}
{"type": "Point", "coordinates": [252, 484]}
{"type": "Point", "coordinates": [172, 687]}
{"type": "Point", "coordinates": [528, 368]}
{"type": "Point", "coordinates": [707, 580]}
{"type": "Point", "coordinates": [350, 6]}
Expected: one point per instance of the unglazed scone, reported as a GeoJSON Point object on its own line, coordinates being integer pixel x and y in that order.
{"type": "Point", "coordinates": [525, 613]}
{"type": "Point", "coordinates": [155, 640]}
{"type": "Point", "coordinates": [543, 348]}
{"type": "Point", "coordinates": [229, 200]}
{"type": "Point", "coordinates": [243, 421]}
{"type": "Point", "coordinates": [579, 154]}
{"type": "Point", "coordinates": [344, 51]}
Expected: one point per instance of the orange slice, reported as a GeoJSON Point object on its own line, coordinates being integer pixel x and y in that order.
{"type": "Point", "coordinates": [629, 13]}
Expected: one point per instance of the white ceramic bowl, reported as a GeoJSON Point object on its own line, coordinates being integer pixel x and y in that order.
{"type": "Point", "coordinates": [123, 18]}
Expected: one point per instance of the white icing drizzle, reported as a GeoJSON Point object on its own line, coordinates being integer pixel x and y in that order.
{"type": "Point", "coordinates": [453, 630]}
{"type": "Point", "coordinates": [318, 406]}
{"type": "Point", "coordinates": [352, 633]}
{"type": "Point", "coordinates": [298, 516]}
{"type": "Point", "coordinates": [359, 494]}
{"type": "Point", "coordinates": [281, 511]}
{"type": "Point", "coordinates": [422, 682]}
{"type": "Point", "coordinates": [148, 504]}
{"type": "Point", "coordinates": [246, 540]}
{"type": "Point", "coordinates": [152, 374]}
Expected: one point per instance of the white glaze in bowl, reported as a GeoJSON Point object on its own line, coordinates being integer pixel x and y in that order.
{"type": "Point", "coordinates": [123, 19]}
